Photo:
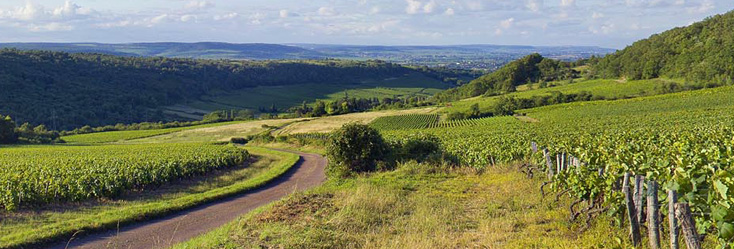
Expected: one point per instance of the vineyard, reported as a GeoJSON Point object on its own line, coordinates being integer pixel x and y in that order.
{"type": "Point", "coordinates": [47, 174]}
{"type": "Point", "coordinates": [409, 121]}
{"type": "Point", "coordinates": [422, 121]}
{"type": "Point", "coordinates": [684, 141]}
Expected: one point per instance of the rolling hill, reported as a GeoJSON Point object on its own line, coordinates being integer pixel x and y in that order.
{"type": "Point", "coordinates": [702, 52]}
{"type": "Point", "coordinates": [65, 90]}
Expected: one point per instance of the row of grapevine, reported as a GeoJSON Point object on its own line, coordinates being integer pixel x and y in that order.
{"type": "Point", "coordinates": [46, 174]}
{"type": "Point", "coordinates": [403, 122]}
{"type": "Point", "coordinates": [684, 141]}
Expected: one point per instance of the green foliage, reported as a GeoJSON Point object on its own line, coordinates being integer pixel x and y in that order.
{"type": "Point", "coordinates": [418, 147]}
{"type": "Point", "coordinates": [41, 175]}
{"type": "Point", "coordinates": [7, 130]}
{"type": "Point", "coordinates": [357, 148]}
{"type": "Point", "coordinates": [408, 121]}
{"type": "Point", "coordinates": [530, 69]}
{"type": "Point", "coordinates": [72, 90]}
{"type": "Point", "coordinates": [685, 141]}
{"type": "Point", "coordinates": [238, 140]}
{"type": "Point", "coordinates": [701, 52]}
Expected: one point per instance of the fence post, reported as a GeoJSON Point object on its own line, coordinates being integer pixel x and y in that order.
{"type": "Point", "coordinates": [639, 192]}
{"type": "Point", "coordinates": [672, 220]}
{"type": "Point", "coordinates": [558, 163]}
{"type": "Point", "coordinates": [687, 225]}
{"type": "Point", "coordinates": [548, 163]}
{"type": "Point", "coordinates": [534, 147]}
{"type": "Point", "coordinates": [653, 217]}
{"type": "Point", "coordinates": [631, 213]}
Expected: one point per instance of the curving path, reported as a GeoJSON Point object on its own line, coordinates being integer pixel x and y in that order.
{"type": "Point", "coordinates": [182, 226]}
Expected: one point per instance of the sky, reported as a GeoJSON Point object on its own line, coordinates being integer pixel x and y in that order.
{"type": "Point", "coordinates": [605, 23]}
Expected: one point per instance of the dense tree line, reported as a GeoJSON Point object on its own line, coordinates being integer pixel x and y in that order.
{"type": "Point", "coordinates": [529, 69]}
{"type": "Point", "coordinates": [67, 91]}
{"type": "Point", "coordinates": [10, 133]}
{"type": "Point", "coordinates": [702, 52]}
{"type": "Point", "coordinates": [350, 105]}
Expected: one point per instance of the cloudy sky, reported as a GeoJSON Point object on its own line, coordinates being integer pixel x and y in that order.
{"type": "Point", "coordinates": [607, 23]}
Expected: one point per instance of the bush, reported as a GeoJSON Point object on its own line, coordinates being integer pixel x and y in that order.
{"type": "Point", "coordinates": [456, 116]}
{"type": "Point", "coordinates": [418, 147]}
{"type": "Point", "coordinates": [357, 148]}
{"type": "Point", "coordinates": [239, 140]}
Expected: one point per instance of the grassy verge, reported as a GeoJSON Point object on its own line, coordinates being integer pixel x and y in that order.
{"type": "Point", "coordinates": [116, 136]}
{"type": "Point", "coordinates": [416, 207]}
{"type": "Point", "coordinates": [30, 228]}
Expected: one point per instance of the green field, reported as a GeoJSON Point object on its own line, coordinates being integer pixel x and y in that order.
{"type": "Point", "coordinates": [31, 228]}
{"type": "Point", "coordinates": [606, 88]}
{"type": "Point", "coordinates": [284, 97]}
{"type": "Point", "coordinates": [54, 174]}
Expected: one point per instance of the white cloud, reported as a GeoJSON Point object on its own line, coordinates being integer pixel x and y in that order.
{"type": "Point", "coordinates": [375, 10]}
{"type": "Point", "coordinates": [71, 10]}
{"type": "Point", "coordinates": [53, 26]}
{"type": "Point", "coordinates": [597, 15]}
{"type": "Point", "coordinates": [414, 6]}
{"type": "Point", "coordinates": [227, 16]}
{"type": "Point", "coordinates": [533, 5]}
{"type": "Point", "coordinates": [507, 23]}
{"type": "Point", "coordinates": [474, 5]}
{"type": "Point", "coordinates": [158, 19]}
{"type": "Point", "coordinates": [449, 12]}
{"type": "Point", "coordinates": [284, 14]}
{"type": "Point", "coordinates": [25, 13]}
{"type": "Point", "coordinates": [568, 3]}
{"type": "Point", "coordinates": [429, 7]}
{"type": "Point", "coordinates": [199, 5]}
{"type": "Point", "coordinates": [327, 11]}
{"type": "Point", "coordinates": [187, 18]}
{"type": "Point", "coordinates": [704, 7]}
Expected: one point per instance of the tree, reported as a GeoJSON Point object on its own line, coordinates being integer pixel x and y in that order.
{"type": "Point", "coordinates": [356, 148]}
{"type": "Point", "coordinates": [319, 109]}
{"type": "Point", "coordinates": [7, 130]}
{"type": "Point", "coordinates": [475, 112]}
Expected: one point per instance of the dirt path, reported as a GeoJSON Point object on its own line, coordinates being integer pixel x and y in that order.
{"type": "Point", "coordinates": [182, 226]}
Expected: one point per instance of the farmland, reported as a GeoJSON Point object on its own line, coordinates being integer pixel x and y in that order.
{"type": "Point", "coordinates": [41, 175]}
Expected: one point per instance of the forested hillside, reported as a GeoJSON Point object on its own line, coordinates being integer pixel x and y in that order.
{"type": "Point", "coordinates": [529, 69]}
{"type": "Point", "coordinates": [65, 90]}
{"type": "Point", "coordinates": [702, 52]}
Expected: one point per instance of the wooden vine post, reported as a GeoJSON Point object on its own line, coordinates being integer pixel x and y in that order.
{"type": "Point", "coordinates": [639, 193]}
{"type": "Point", "coordinates": [687, 225]}
{"type": "Point", "coordinates": [548, 163]}
{"type": "Point", "coordinates": [672, 220]}
{"type": "Point", "coordinates": [631, 213]}
{"type": "Point", "coordinates": [653, 217]}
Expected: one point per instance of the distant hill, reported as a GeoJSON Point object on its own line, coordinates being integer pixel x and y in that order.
{"type": "Point", "coordinates": [484, 57]}
{"type": "Point", "coordinates": [702, 52]}
{"type": "Point", "coordinates": [529, 69]}
{"type": "Point", "coordinates": [201, 50]}
{"type": "Point", "coordinates": [66, 90]}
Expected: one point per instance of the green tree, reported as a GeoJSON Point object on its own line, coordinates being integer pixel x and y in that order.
{"type": "Point", "coordinates": [356, 148]}
{"type": "Point", "coordinates": [7, 130]}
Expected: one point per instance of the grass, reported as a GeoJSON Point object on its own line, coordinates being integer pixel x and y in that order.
{"type": "Point", "coordinates": [328, 124]}
{"type": "Point", "coordinates": [39, 226]}
{"type": "Point", "coordinates": [607, 88]}
{"type": "Point", "coordinates": [415, 207]}
{"type": "Point", "coordinates": [284, 97]}
{"type": "Point", "coordinates": [117, 136]}
{"type": "Point", "coordinates": [217, 133]}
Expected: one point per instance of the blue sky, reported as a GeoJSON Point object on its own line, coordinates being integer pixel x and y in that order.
{"type": "Point", "coordinates": [607, 23]}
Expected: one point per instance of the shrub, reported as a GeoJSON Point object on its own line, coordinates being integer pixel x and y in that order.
{"type": "Point", "coordinates": [239, 140]}
{"type": "Point", "coordinates": [356, 148]}
{"type": "Point", "coordinates": [418, 147]}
